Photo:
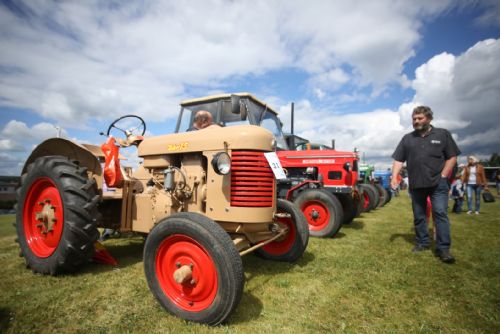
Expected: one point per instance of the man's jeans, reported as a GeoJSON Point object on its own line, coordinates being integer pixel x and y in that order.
{"type": "Point", "coordinates": [476, 190]}
{"type": "Point", "coordinates": [439, 199]}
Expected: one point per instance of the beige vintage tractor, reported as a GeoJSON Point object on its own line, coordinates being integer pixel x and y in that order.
{"type": "Point", "coordinates": [203, 198]}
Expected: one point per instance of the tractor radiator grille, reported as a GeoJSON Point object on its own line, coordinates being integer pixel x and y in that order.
{"type": "Point", "coordinates": [252, 180]}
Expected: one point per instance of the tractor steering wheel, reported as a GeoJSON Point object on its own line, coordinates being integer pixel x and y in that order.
{"type": "Point", "coordinates": [132, 126]}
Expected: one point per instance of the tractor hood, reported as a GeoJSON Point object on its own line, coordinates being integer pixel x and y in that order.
{"type": "Point", "coordinates": [213, 138]}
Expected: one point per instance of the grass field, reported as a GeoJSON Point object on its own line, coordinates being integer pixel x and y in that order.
{"type": "Point", "coordinates": [366, 280]}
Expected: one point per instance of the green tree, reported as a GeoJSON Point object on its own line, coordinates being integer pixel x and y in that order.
{"type": "Point", "coordinates": [494, 160]}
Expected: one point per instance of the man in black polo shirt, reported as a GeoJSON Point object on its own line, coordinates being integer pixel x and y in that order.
{"type": "Point", "coordinates": [430, 154]}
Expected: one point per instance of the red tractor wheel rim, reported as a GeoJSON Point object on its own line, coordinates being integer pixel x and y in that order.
{"type": "Point", "coordinates": [284, 244]}
{"type": "Point", "coordinates": [43, 217]}
{"type": "Point", "coordinates": [366, 200]}
{"type": "Point", "coordinates": [199, 292]}
{"type": "Point", "coordinates": [317, 214]}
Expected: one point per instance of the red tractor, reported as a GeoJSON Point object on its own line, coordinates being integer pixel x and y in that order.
{"type": "Point", "coordinates": [321, 182]}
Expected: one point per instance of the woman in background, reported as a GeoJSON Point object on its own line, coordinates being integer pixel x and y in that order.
{"type": "Point", "coordinates": [474, 179]}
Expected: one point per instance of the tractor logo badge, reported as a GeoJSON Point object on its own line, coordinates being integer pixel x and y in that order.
{"type": "Point", "coordinates": [318, 161]}
{"type": "Point", "coordinates": [177, 147]}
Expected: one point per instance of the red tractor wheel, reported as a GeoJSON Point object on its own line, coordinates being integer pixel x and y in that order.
{"type": "Point", "coordinates": [369, 199]}
{"type": "Point", "coordinates": [55, 217]}
{"type": "Point", "coordinates": [322, 210]}
{"type": "Point", "coordinates": [193, 268]}
{"type": "Point", "coordinates": [292, 245]}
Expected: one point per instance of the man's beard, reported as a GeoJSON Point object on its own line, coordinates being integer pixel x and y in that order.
{"type": "Point", "coordinates": [422, 127]}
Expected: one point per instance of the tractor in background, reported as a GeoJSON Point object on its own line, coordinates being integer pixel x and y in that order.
{"type": "Point", "coordinates": [374, 194]}
{"type": "Point", "coordinates": [383, 177]}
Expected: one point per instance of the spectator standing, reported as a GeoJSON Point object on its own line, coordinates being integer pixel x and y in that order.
{"type": "Point", "coordinates": [475, 179]}
{"type": "Point", "coordinates": [457, 193]}
{"type": "Point", "coordinates": [430, 154]}
{"type": "Point", "coordinates": [497, 181]}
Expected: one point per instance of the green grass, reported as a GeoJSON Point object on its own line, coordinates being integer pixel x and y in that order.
{"type": "Point", "coordinates": [366, 280]}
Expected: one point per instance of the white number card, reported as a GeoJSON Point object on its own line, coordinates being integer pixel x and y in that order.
{"type": "Point", "coordinates": [275, 164]}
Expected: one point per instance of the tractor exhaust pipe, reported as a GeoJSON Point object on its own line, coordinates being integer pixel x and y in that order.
{"type": "Point", "coordinates": [293, 110]}
{"type": "Point", "coordinates": [333, 144]}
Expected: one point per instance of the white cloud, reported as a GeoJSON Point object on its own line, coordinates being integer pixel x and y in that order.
{"type": "Point", "coordinates": [77, 62]}
{"type": "Point", "coordinates": [330, 80]}
{"type": "Point", "coordinates": [19, 132]}
{"type": "Point", "coordinates": [74, 61]}
{"type": "Point", "coordinates": [9, 145]}
{"type": "Point", "coordinates": [10, 164]}
{"type": "Point", "coordinates": [491, 15]}
{"type": "Point", "coordinates": [17, 140]}
{"type": "Point", "coordinates": [462, 90]}
{"type": "Point", "coordinates": [373, 133]}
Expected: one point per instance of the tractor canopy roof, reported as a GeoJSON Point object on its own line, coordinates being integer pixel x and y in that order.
{"type": "Point", "coordinates": [233, 109]}
{"type": "Point", "coordinates": [227, 98]}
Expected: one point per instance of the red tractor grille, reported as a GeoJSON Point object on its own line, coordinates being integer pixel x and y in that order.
{"type": "Point", "coordinates": [252, 180]}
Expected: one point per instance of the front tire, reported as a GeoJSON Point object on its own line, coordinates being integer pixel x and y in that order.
{"type": "Point", "coordinates": [293, 244]}
{"type": "Point", "coordinates": [322, 210]}
{"type": "Point", "coordinates": [55, 221]}
{"type": "Point", "coordinates": [189, 240]}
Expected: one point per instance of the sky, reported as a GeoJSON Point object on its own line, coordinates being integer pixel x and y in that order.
{"type": "Point", "coordinates": [354, 69]}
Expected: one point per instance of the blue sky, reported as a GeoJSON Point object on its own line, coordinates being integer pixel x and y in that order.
{"type": "Point", "coordinates": [355, 69]}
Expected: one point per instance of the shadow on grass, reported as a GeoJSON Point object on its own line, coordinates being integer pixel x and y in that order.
{"type": "Point", "coordinates": [355, 225]}
{"type": "Point", "coordinates": [265, 270]}
{"type": "Point", "coordinates": [250, 308]}
{"type": "Point", "coordinates": [338, 235]}
{"type": "Point", "coordinates": [5, 315]}
{"type": "Point", "coordinates": [257, 267]}
{"type": "Point", "coordinates": [126, 252]}
{"type": "Point", "coordinates": [408, 237]}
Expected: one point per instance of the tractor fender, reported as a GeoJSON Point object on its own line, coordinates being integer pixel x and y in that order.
{"type": "Point", "coordinates": [87, 156]}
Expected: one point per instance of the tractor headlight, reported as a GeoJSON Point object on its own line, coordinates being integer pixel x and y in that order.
{"type": "Point", "coordinates": [221, 162]}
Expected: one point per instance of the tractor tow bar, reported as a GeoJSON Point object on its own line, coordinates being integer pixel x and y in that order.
{"type": "Point", "coordinates": [275, 227]}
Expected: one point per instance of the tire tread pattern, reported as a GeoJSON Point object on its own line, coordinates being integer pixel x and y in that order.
{"type": "Point", "coordinates": [79, 199]}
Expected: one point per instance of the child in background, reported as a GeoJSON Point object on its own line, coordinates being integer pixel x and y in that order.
{"type": "Point", "coordinates": [457, 193]}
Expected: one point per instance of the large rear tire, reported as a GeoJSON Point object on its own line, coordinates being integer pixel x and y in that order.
{"type": "Point", "coordinates": [382, 195]}
{"type": "Point", "coordinates": [389, 196]}
{"type": "Point", "coordinates": [322, 210]}
{"type": "Point", "coordinates": [55, 224]}
{"type": "Point", "coordinates": [359, 202]}
{"type": "Point", "coordinates": [292, 245]}
{"type": "Point", "coordinates": [376, 198]}
{"type": "Point", "coordinates": [368, 197]}
{"type": "Point", "coordinates": [348, 207]}
{"type": "Point", "coordinates": [191, 242]}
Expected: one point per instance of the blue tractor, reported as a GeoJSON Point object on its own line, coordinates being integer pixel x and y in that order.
{"type": "Point", "coordinates": [383, 177]}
